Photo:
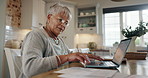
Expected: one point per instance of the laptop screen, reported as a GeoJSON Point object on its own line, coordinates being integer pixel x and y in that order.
{"type": "Point", "coordinates": [121, 51]}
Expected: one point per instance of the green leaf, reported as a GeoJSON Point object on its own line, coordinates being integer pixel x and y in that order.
{"type": "Point", "coordinates": [139, 30]}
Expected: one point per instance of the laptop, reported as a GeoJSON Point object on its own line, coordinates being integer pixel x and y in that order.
{"type": "Point", "coordinates": [117, 59]}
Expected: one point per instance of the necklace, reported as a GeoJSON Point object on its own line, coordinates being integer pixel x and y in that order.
{"type": "Point", "coordinates": [55, 39]}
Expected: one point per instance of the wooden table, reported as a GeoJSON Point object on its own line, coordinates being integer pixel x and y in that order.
{"type": "Point", "coordinates": [131, 67]}
{"type": "Point", "coordinates": [138, 67]}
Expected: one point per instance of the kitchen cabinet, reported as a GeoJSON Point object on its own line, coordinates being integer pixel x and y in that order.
{"type": "Point", "coordinates": [39, 15]}
{"type": "Point", "coordinates": [86, 20]}
{"type": "Point", "coordinates": [33, 14]}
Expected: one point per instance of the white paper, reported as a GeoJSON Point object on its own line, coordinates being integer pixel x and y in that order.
{"type": "Point", "coordinates": [79, 76]}
{"type": "Point", "coordinates": [86, 73]}
{"type": "Point", "coordinates": [137, 76]}
{"type": "Point", "coordinates": [120, 75]}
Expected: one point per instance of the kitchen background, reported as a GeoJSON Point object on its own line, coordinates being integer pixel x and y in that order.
{"type": "Point", "coordinates": [24, 15]}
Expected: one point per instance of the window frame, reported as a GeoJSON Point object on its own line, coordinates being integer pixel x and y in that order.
{"type": "Point", "coordinates": [121, 10]}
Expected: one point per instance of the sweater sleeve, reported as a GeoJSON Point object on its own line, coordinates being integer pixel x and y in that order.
{"type": "Point", "coordinates": [33, 61]}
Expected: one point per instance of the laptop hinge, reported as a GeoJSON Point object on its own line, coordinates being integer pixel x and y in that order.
{"type": "Point", "coordinates": [116, 63]}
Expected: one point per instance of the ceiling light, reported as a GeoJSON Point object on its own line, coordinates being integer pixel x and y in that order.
{"type": "Point", "coordinates": [118, 0]}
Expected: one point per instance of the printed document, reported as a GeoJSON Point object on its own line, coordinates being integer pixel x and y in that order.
{"type": "Point", "coordinates": [79, 72]}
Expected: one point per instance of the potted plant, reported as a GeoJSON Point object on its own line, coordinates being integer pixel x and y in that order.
{"type": "Point", "coordinates": [139, 31]}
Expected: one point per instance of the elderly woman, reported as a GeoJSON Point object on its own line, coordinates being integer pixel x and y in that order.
{"type": "Point", "coordinates": [44, 50]}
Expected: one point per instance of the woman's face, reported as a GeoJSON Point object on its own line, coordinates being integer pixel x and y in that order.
{"type": "Point", "coordinates": [57, 23]}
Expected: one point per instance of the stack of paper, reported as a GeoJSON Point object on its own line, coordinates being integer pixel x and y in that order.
{"type": "Point", "coordinates": [120, 75]}
{"type": "Point", "coordinates": [137, 76]}
{"type": "Point", "coordinates": [79, 72]}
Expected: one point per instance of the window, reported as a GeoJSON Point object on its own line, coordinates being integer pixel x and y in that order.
{"type": "Point", "coordinates": [112, 28]}
{"type": "Point", "coordinates": [145, 19]}
{"type": "Point", "coordinates": [131, 18]}
{"type": "Point", "coordinates": [115, 21]}
{"type": "Point", "coordinates": [8, 33]}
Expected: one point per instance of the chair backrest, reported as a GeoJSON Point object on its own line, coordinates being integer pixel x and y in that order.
{"type": "Point", "coordinates": [74, 50]}
{"type": "Point", "coordinates": [84, 50]}
{"type": "Point", "coordinates": [14, 61]}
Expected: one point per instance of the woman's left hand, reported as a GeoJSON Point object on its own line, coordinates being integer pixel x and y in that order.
{"type": "Point", "coordinates": [94, 56]}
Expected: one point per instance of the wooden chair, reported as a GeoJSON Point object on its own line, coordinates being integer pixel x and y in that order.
{"type": "Point", "coordinates": [74, 50]}
{"type": "Point", "coordinates": [13, 57]}
{"type": "Point", "coordinates": [136, 55]}
{"type": "Point", "coordinates": [84, 50]}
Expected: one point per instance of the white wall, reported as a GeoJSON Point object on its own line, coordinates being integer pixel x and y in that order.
{"type": "Point", "coordinates": [83, 40]}
{"type": "Point", "coordinates": [15, 33]}
{"type": "Point", "coordinates": [2, 32]}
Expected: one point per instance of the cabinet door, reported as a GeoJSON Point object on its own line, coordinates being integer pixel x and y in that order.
{"type": "Point", "coordinates": [42, 14]}
{"type": "Point", "coordinates": [91, 30]}
{"type": "Point", "coordinates": [86, 20]}
{"type": "Point", "coordinates": [81, 30]}
{"type": "Point", "coordinates": [39, 16]}
{"type": "Point", "coordinates": [26, 14]}
{"type": "Point", "coordinates": [33, 14]}
{"type": "Point", "coordinates": [88, 30]}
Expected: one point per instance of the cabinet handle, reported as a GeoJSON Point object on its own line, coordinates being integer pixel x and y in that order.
{"type": "Point", "coordinates": [81, 29]}
{"type": "Point", "coordinates": [91, 29]}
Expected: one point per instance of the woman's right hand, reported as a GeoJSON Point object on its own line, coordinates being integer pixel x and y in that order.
{"type": "Point", "coordinates": [78, 57]}
{"type": "Point", "coordinates": [82, 57]}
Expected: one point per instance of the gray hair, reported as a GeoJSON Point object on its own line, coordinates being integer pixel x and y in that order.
{"type": "Point", "coordinates": [58, 8]}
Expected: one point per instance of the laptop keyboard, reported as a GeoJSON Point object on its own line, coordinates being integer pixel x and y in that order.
{"type": "Point", "coordinates": [102, 63]}
{"type": "Point", "coordinates": [108, 63]}
{"type": "Point", "coordinates": [93, 62]}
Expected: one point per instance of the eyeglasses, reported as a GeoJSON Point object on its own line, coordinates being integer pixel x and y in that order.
{"type": "Point", "coordinates": [63, 22]}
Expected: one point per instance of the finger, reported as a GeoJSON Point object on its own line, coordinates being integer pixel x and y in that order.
{"type": "Point", "coordinates": [89, 55]}
{"type": "Point", "coordinates": [94, 57]}
{"type": "Point", "coordinates": [85, 57]}
{"type": "Point", "coordinates": [80, 59]}
{"type": "Point", "coordinates": [88, 60]}
{"type": "Point", "coordinates": [98, 58]}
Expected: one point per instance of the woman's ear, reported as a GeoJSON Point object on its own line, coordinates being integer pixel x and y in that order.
{"type": "Point", "coordinates": [48, 18]}
{"type": "Point", "coordinates": [49, 15]}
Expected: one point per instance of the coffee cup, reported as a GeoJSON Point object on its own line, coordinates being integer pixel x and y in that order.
{"type": "Point", "coordinates": [81, 14]}
{"type": "Point", "coordinates": [93, 13]}
{"type": "Point", "coordinates": [87, 13]}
